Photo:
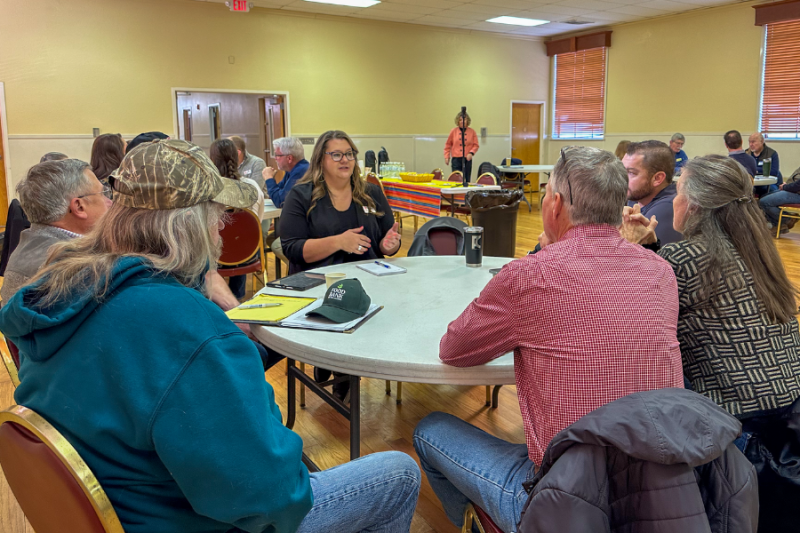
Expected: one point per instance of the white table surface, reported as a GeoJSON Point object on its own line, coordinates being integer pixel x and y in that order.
{"type": "Point", "coordinates": [270, 211]}
{"type": "Point", "coordinates": [515, 169]}
{"type": "Point", "coordinates": [765, 181]}
{"type": "Point", "coordinates": [401, 342]}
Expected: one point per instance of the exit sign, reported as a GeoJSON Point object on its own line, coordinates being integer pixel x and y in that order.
{"type": "Point", "coordinates": [242, 6]}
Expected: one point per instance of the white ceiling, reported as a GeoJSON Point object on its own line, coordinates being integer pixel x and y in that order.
{"type": "Point", "coordinates": [472, 14]}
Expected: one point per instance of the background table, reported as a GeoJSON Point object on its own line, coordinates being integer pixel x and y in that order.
{"type": "Point", "coordinates": [757, 181]}
{"type": "Point", "coordinates": [423, 199]}
{"type": "Point", "coordinates": [399, 343]}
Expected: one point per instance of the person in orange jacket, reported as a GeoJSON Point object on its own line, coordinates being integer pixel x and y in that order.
{"type": "Point", "coordinates": [453, 150]}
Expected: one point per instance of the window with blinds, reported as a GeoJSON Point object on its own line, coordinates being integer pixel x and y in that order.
{"type": "Point", "coordinates": [579, 94]}
{"type": "Point", "coordinates": [780, 93]}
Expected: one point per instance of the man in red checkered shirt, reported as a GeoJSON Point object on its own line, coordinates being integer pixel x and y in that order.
{"type": "Point", "coordinates": [590, 318]}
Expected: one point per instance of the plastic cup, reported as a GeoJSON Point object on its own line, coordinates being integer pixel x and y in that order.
{"type": "Point", "coordinates": [334, 277]}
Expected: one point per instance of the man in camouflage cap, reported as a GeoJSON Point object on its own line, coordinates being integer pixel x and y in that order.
{"type": "Point", "coordinates": [170, 174]}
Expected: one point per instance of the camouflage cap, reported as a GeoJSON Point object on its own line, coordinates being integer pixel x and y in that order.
{"type": "Point", "coordinates": [169, 174]}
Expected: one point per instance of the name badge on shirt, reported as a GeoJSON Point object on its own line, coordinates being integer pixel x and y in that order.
{"type": "Point", "coordinates": [248, 172]}
{"type": "Point", "coordinates": [679, 160]}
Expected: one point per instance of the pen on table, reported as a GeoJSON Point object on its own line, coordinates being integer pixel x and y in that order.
{"type": "Point", "coordinates": [384, 265]}
{"type": "Point", "coordinates": [258, 306]}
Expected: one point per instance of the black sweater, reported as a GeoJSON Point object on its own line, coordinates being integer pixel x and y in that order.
{"type": "Point", "coordinates": [296, 227]}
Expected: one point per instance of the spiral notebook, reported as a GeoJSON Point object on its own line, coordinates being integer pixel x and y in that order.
{"type": "Point", "coordinates": [382, 268]}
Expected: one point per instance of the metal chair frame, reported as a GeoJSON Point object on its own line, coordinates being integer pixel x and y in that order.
{"type": "Point", "coordinates": [787, 211]}
{"type": "Point", "coordinates": [258, 250]}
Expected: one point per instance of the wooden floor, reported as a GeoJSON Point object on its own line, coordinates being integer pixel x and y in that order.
{"type": "Point", "coordinates": [386, 425]}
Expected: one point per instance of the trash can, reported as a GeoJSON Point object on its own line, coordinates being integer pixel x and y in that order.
{"type": "Point", "coordinates": [496, 213]}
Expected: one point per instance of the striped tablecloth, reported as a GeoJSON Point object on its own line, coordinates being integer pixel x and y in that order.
{"type": "Point", "coordinates": [421, 199]}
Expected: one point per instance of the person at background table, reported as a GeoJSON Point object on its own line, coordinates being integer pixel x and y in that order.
{"type": "Point", "coordinates": [676, 145]}
{"type": "Point", "coordinates": [290, 158]}
{"type": "Point", "coordinates": [53, 156]}
{"type": "Point", "coordinates": [223, 155]}
{"type": "Point", "coordinates": [250, 166]}
{"type": "Point", "coordinates": [760, 151]}
{"type": "Point", "coordinates": [788, 193]}
{"type": "Point", "coordinates": [453, 149]}
{"type": "Point", "coordinates": [146, 137]}
{"type": "Point", "coordinates": [622, 149]}
{"type": "Point", "coordinates": [736, 325]}
{"type": "Point", "coordinates": [578, 342]}
{"type": "Point", "coordinates": [172, 412]}
{"type": "Point", "coordinates": [107, 153]}
{"type": "Point", "coordinates": [332, 216]}
{"type": "Point", "coordinates": [650, 169]}
{"type": "Point", "coordinates": [733, 142]}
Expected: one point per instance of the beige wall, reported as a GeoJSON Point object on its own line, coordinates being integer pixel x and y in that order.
{"type": "Point", "coordinates": [698, 73]}
{"type": "Point", "coordinates": [111, 64]}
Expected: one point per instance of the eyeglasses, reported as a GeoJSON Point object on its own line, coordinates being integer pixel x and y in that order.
{"type": "Point", "coordinates": [107, 192]}
{"type": "Point", "coordinates": [566, 176]}
{"type": "Point", "coordinates": [276, 156]}
{"type": "Point", "coordinates": [337, 156]}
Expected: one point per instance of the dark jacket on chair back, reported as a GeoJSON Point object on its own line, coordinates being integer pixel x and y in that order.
{"type": "Point", "coordinates": [422, 245]}
{"type": "Point", "coordinates": [661, 461]}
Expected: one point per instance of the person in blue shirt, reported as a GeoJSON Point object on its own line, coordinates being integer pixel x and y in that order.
{"type": "Point", "coordinates": [650, 167]}
{"type": "Point", "coordinates": [161, 394]}
{"type": "Point", "coordinates": [676, 145]}
{"type": "Point", "coordinates": [733, 142]}
{"type": "Point", "coordinates": [290, 157]}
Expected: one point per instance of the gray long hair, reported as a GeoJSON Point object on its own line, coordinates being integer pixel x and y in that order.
{"type": "Point", "coordinates": [49, 187]}
{"type": "Point", "coordinates": [593, 184]}
{"type": "Point", "coordinates": [723, 215]}
{"type": "Point", "coordinates": [177, 242]}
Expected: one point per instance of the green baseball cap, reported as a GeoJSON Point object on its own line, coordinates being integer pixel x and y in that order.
{"type": "Point", "coordinates": [169, 174]}
{"type": "Point", "coordinates": [344, 301]}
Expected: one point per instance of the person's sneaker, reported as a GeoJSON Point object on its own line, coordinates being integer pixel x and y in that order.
{"type": "Point", "coordinates": [790, 223]}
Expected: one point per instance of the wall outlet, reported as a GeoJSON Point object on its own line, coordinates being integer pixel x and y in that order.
{"type": "Point", "coordinates": [483, 132]}
{"type": "Point", "coordinates": [95, 132]}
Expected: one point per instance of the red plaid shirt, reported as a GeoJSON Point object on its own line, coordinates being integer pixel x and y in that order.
{"type": "Point", "coordinates": [590, 318]}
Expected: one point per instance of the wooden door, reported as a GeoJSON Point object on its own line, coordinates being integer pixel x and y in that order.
{"type": "Point", "coordinates": [273, 125]}
{"type": "Point", "coordinates": [187, 125]}
{"type": "Point", "coordinates": [3, 186]}
{"type": "Point", "coordinates": [525, 135]}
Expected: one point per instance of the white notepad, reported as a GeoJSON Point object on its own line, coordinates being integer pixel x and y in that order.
{"type": "Point", "coordinates": [382, 268]}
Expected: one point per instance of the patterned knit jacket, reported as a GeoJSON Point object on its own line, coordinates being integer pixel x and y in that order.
{"type": "Point", "coordinates": [732, 352]}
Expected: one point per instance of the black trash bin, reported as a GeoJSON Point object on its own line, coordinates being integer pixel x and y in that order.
{"type": "Point", "coordinates": [496, 213]}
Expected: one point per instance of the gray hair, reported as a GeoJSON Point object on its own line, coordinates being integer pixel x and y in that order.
{"type": "Point", "coordinates": [598, 183]}
{"type": "Point", "coordinates": [290, 146]}
{"type": "Point", "coordinates": [723, 215]}
{"type": "Point", "coordinates": [47, 190]}
{"type": "Point", "coordinates": [759, 135]}
{"type": "Point", "coordinates": [53, 156]}
{"type": "Point", "coordinates": [175, 242]}
{"type": "Point", "coordinates": [678, 137]}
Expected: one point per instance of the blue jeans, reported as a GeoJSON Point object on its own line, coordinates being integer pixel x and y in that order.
{"type": "Point", "coordinates": [771, 203]}
{"type": "Point", "coordinates": [238, 285]}
{"type": "Point", "coordinates": [465, 464]}
{"type": "Point", "coordinates": [376, 493]}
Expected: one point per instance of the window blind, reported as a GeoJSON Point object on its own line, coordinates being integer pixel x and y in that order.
{"type": "Point", "coordinates": [580, 90]}
{"type": "Point", "coordinates": [780, 97]}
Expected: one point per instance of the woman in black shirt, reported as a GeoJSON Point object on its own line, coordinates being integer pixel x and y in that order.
{"type": "Point", "coordinates": [332, 216]}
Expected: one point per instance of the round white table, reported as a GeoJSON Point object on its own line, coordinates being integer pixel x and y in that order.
{"type": "Point", "coordinates": [401, 341]}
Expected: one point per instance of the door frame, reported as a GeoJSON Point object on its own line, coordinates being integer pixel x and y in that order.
{"type": "Point", "coordinates": [175, 90]}
{"type": "Point", "coordinates": [6, 150]}
{"type": "Point", "coordinates": [542, 123]}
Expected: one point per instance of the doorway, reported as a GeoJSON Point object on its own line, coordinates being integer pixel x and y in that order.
{"type": "Point", "coordinates": [526, 121]}
{"type": "Point", "coordinates": [214, 122]}
{"type": "Point", "coordinates": [272, 120]}
{"type": "Point", "coordinates": [187, 124]}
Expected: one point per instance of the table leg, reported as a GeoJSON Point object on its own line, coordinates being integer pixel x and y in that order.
{"type": "Point", "coordinates": [495, 396]}
{"type": "Point", "coordinates": [355, 417]}
{"type": "Point", "coordinates": [290, 393]}
{"type": "Point", "coordinates": [302, 388]}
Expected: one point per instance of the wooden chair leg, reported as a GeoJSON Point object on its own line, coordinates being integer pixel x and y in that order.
{"type": "Point", "coordinates": [302, 387]}
{"type": "Point", "coordinates": [388, 388]}
{"type": "Point", "coordinates": [399, 392]}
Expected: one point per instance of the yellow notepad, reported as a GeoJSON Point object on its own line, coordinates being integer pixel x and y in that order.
{"type": "Point", "coordinates": [269, 315]}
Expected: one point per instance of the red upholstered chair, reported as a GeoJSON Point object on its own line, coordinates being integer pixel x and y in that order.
{"type": "Point", "coordinates": [443, 241]}
{"type": "Point", "coordinates": [242, 246]}
{"type": "Point", "coordinates": [447, 199]}
{"type": "Point", "coordinates": [54, 487]}
{"type": "Point", "coordinates": [10, 356]}
{"type": "Point", "coordinates": [482, 520]}
{"type": "Point", "coordinates": [437, 174]}
{"type": "Point", "coordinates": [787, 211]}
{"type": "Point", "coordinates": [487, 178]}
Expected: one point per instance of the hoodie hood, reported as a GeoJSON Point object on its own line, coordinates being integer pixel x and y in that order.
{"type": "Point", "coordinates": [664, 426]}
{"type": "Point", "coordinates": [39, 332]}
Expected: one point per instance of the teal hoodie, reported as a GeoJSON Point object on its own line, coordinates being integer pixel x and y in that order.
{"type": "Point", "coordinates": [165, 400]}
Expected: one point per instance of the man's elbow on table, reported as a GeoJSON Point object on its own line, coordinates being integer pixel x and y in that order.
{"type": "Point", "coordinates": [456, 350]}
